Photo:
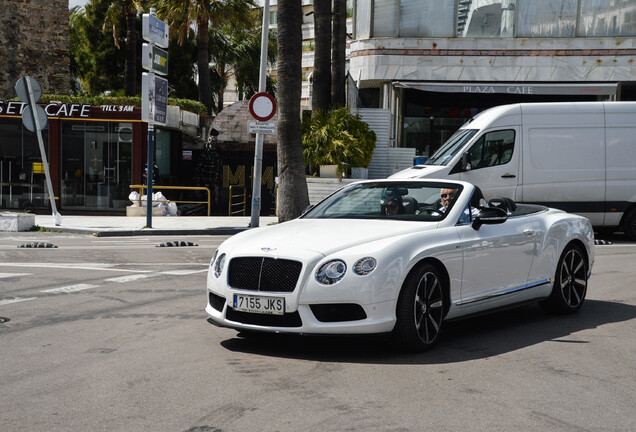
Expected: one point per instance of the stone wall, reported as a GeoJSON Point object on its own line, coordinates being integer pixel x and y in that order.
{"type": "Point", "coordinates": [34, 40]}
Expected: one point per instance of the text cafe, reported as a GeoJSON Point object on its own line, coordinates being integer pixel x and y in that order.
{"type": "Point", "coordinates": [95, 153]}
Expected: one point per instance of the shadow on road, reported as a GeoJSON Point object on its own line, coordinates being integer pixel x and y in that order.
{"type": "Point", "coordinates": [461, 341]}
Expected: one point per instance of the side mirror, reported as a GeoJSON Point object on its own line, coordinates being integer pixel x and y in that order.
{"type": "Point", "coordinates": [466, 162]}
{"type": "Point", "coordinates": [490, 216]}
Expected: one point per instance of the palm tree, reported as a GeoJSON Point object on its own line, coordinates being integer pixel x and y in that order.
{"type": "Point", "coordinates": [339, 38]}
{"type": "Point", "coordinates": [181, 14]}
{"type": "Point", "coordinates": [321, 97]}
{"type": "Point", "coordinates": [293, 197]}
{"type": "Point", "coordinates": [117, 10]}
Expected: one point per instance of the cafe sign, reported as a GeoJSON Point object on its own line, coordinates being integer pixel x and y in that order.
{"type": "Point", "coordinates": [61, 110]}
{"type": "Point", "coordinates": [52, 109]}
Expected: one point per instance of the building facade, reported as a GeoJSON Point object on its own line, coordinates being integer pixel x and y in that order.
{"type": "Point", "coordinates": [34, 40]}
{"type": "Point", "coordinates": [424, 67]}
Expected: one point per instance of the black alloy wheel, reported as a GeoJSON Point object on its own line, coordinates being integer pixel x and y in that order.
{"type": "Point", "coordinates": [421, 309]}
{"type": "Point", "coordinates": [570, 283]}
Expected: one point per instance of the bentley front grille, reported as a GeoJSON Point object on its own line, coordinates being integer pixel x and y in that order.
{"type": "Point", "coordinates": [264, 274]}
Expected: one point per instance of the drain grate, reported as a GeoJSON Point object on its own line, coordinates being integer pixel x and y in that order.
{"type": "Point", "coordinates": [37, 245]}
{"type": "Point", "coordinates": [176, 244]}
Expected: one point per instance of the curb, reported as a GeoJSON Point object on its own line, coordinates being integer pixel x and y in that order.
{"type": "Point", "coordinates": [149, 232]}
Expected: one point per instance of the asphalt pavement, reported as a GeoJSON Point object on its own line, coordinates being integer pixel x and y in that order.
{"type": "Point", "coordinates": [113, 226]}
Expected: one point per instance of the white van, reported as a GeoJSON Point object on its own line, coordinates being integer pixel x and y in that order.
{"type": "Point", "coordinates": [575, 156]}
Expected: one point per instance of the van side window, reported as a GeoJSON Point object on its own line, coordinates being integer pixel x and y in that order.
{"type": "Point", "coordinates": [493, 148]}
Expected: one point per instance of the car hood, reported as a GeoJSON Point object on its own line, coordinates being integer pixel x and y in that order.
{"type": "Point", "coordinates": [323, 236]}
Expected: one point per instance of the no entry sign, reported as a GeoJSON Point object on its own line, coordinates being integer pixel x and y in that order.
{"type": "Point", "coordinates": [262, 106]}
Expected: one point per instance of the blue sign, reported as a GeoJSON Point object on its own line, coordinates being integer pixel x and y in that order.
{"type": "Point", "coordinates": [154, 30]}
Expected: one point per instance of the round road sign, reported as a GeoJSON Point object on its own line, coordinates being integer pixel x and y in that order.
{"type": "Point", "coordinates": [262, 106]}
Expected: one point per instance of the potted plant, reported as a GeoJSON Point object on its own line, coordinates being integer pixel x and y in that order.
{"type": "Point", "coordinates": [336, 138]}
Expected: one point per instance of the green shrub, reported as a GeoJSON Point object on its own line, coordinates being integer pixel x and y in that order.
{"type": "Point", "coordinates": [336, 137]}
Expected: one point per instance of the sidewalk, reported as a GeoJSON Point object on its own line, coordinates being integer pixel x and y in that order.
{"type": "Point", "coordinates": [112, 226]}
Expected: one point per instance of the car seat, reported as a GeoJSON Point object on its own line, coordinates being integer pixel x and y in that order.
{"type": "Point", "coordinates": [410, 204]}
{"type": "Point", "coordinates": [506, 204]}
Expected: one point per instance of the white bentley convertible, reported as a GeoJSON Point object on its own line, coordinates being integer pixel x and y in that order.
{"type": "Point", "coordinates": [402, 257]}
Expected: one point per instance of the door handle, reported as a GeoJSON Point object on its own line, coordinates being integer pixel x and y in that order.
{"type": "Point", "coordinates": [508, 176]}
{"type": "Point", "coordinates": [528, 232]}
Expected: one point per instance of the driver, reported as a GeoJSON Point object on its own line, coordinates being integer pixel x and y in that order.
{"type": "Point", "coordinates": [447, 197]}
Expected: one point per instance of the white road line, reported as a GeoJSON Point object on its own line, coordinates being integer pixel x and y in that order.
{"type": "Point", "coordinates": [15, 300]}
{"type": "Point", "coordinates": [87, 266]}
{"type": "Point", "coordinates": [70, 288]}
{"type": "Point", "coordinates": [182, 272]}
{"type": "Point", "coordinates": [8, 275]}
{"type": "Point", "coordinates": [131, 277]}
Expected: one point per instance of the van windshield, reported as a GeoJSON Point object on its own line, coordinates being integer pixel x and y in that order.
{"type": "Point", "coordinates": [451, 147]}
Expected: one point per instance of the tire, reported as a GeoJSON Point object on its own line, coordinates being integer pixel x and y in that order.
{"type": "Point", "coordinates": [629, 225]}
{"type": "Point", "coordinates": [421, 309]}
{"type": "Point", "coordinates": [570, 282]}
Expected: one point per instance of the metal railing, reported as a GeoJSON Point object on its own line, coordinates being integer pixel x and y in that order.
{"type": "Point", "coordinates": [232, 204]}
{"type": "Point", "coordinates": [142, 187]}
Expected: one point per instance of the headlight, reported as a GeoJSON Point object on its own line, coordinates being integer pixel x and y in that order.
{"type": "Point", "coordinates": [331, 272]}
{"type": "Point", "coordinates": [364, 266]}
{"type": "Point", "coordinates": [216, 252]}
{"type": "Point", "coordinates": [218, 265]}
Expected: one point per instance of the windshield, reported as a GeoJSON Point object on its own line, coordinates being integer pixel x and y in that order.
{"type": "Point", "coordinates": [416, 201]}
{"type": "Point", "coordinates": [451, 147]}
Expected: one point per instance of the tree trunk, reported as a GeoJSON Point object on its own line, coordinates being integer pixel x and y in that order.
{"type": "Point", "coordinates": [292, 184]}
{"type": "Point", "coordinates": [203, 64]}
{"type": "Point", "coordinates": [130, 73]}
{"type": "Point", "coordinates": [321, 98]}
{"type": "Point", "coordinates": [338, 54]}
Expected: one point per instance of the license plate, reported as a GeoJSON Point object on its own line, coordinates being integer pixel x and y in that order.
{"type": "Point", "coordinates": [262, 305]}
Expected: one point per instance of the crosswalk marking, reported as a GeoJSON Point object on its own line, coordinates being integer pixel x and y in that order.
{"type": "Point", "coordinates": [15, 300]}
{"type": "Point", "coordinates": [131, 278]}
{"type": "Point", "coordinates": [70, 288]}
{"type": "Point", "coordinates": [182, 272]}
{"type": "Point", "coordinates": [8, 275]}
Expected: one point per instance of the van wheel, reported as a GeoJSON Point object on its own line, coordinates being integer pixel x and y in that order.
{"type": "Point", "coordinates": [629, 226]}
{"type": "Point", "coordinates": [570, 283]}
{"type": "Point", "coordinates": [420, 309]}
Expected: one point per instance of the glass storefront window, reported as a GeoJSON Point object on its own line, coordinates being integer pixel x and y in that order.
{"type": "Point", "coordinates": [385, 18]}
{"type": "Point", "coordinates": [162, 152]}
{"type": "Point", "coordinates": [96, 165]}
{"type": "Point", "coordinates": [22, 179]}
{"type": "Point", "coordinates": [427, 18]}
{"type": "Point", "coordinates": [495, 18]}
{"type": "Point", "coordinates": [363, 19]}
{"type": "Point", "coordinates": [547, 18]}
{"type": "Point", "coordinates": [607, 18]}
{"type": "Point", "coordinates": [490, 18]}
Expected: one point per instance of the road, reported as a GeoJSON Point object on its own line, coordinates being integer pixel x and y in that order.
{"type": "Point", "coordinates": [109, 334]}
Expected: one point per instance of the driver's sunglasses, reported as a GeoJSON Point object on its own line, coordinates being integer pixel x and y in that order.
{"type": "Point", "coordinates": [447, 195]}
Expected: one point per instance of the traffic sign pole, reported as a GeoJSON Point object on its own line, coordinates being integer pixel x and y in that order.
{"type": "Point", "coordinates": [154, 100]}
{"type": "Point", "coordinates": [258, 148]}
{"type": "Point", "coordinates": [29, 83]}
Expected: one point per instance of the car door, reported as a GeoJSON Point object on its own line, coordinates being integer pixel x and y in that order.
{"type": "Point", "coordinates": [493, 163]}
{"type": "Point", "coordinates": [497, 259]}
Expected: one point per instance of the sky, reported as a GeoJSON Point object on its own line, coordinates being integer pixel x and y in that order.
{"type": "Point", "coordinates": [73, 3]}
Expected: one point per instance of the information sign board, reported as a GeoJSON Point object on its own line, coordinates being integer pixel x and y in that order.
{"type": "Point", "coordinates": [154, 30]}
{"type": "Point", "coordinates": [261, 127]}
{"type": "Point", "coordinates": [154, 59]}
{"type": "Point", "coordinates": [154, 98]}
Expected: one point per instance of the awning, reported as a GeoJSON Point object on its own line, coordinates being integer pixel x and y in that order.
{"type": "Point", "coordinates": [512, 88]}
